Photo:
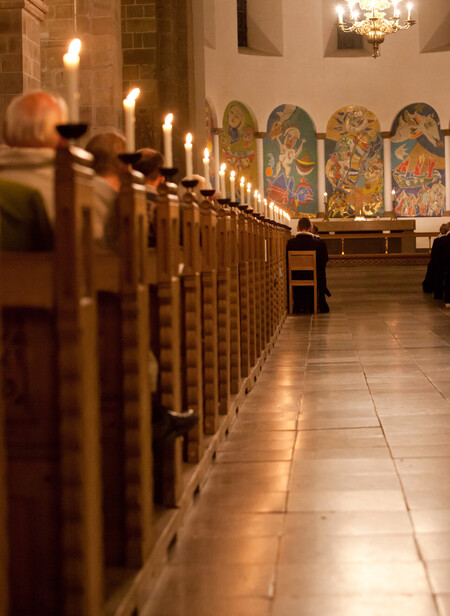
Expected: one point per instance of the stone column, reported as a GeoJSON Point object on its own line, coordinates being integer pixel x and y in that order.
{"type": "Point", "coordinates": [20, 52]}
{"type": "Point", "coordinates": [98, 26]}
{"type": "Point", "coordinates": [320, 171]}
{"type": "Point", "coordinates": [446, 133]}
{"type": "Point", "coordinates": [260, 161]}
{"type": "Point", "coordinates": [387, 172]}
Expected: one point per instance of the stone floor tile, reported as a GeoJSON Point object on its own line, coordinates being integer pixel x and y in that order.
{"type": "Point", "coordinates": [347, 523]}
{"type": "Point", "coordinates": [356, 605]}
{"type": "Point", "coordinates": [439, 573]}
{"type": "Point", "coordinates": [431, 520]}
{"type": "Point", "coordinates": [443, 602]}
{"type": "Point", "coordinates": [434, 546]}
{"type": "Point", "coordinates": [346, 500]}
{"type": "Point", "coordinates": [240, 550]}
{"type": "Point", "coordinates": [338, 578]}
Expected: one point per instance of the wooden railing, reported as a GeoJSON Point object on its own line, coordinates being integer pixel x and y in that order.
{"type": "Point", "coordinates": [386, 237]}
{"type": "Point", "coordinates": [89, 506]}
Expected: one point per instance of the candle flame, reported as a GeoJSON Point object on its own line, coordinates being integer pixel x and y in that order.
{"type": "Point", "coordinates": [233, 174]}
{"type": "Point", "coordinates": [206, 155]}
{"type": "Point", "coordinates": [74, 48]}
{"type": "Point", "coordinates": [249, 186]}
{"type": "Point", "coordinates": [222, 168]}
{"type": "Point", "coordinates": [189, 139]}
{"type": "Point", "coordinates": [271, 205]}
{"type": "Point", "coordinates": [242, 181]}
{"type": "Point", "coordinates": [168, 120]}
{"type": "Point", "coordinates": [132, 96]}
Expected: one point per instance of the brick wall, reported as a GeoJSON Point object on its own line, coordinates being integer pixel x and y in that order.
{"type": "Point", "coordinates": [97, 24]}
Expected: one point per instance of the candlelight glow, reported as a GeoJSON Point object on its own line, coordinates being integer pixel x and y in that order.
{"type": "Point", "coordinates": [74, 48]}
{"type": "Point", "coordinates": [132, 96]}
{"type": "Point", "coordinates": [189, 139]}
{"type": "Point", "coordinates": [233, 174]}
{"type": "Point", "coordinates": [168, 120]}
{"type": "Point", "coordinates": [206, 155]}
{"type": "Point", "coordinates": [222, 168]}
{"type": "Point", "coordinates": [242, 184]}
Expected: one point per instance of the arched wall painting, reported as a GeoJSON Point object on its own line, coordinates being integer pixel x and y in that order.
{"type": "Point", "coordinates": [238, 142]}
{"type": "Point", "coordinates": [290, 161]}
{"type": "Point", "coordinates": [210, 123]}
{"type": "Point", "coordinates": [418, 162]}
{"type": "Point", "coordinates": [354, 164]}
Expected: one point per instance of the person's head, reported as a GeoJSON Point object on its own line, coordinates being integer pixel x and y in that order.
{"type": "Point", "coordinates": [304, 224]}
{"type": "Point", "coordinates": [105, 148]}
{"type": "Point", "coordinates": [31, 120]}
{"type": "Point", "coordinates": [150, 165]}
{"type": "Point", "coordinates": [444, 228]}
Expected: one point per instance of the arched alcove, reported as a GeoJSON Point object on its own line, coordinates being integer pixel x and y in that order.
{"type": "Point", "coordinates": [418, 162]}
{"type": "Point", "coordinates": [238, 141]}
{"type": "Point", "coordinates": [290, 161]}
{"type": "Point", "coordinates": [354, 163]}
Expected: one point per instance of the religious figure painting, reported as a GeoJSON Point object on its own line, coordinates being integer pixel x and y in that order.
{"type": "Point", "coordinates": [238, 142]}
{"type": "Point", "coordinates": [210, 122]}
{"type": "Point", "coordinates": [418, 162]}
{"type": "Point", "coordinates": [354, 164]}
{"type": "Point", "coordinates": [290, 161]}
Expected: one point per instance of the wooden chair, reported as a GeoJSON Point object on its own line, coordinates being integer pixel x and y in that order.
{"type": "Point", "coordinates": [304, 261]}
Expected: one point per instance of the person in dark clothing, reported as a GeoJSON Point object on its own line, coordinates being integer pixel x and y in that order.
{"type": "Point", "coordinates": [150, 164]}
{"type": "Point", "coordinates": [433, 279]}
{"type": "Point", "coordinates": [446, 260]}
{"type": "Point", "coordinates": [305, 240]}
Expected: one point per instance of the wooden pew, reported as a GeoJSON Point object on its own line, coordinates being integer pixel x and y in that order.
{"type": "Point", "coordinates": [4, 540]}
{"type": "Point", "coordinates": [191, 316]}
{"type": "Point", "coordinates": [123, 305]}
{"type": "Point", "coordinates": [52, 416]}
{"type": "Point", "coordinates": [244, 300]}
{"type": "Point", "coordinates": [208, 231]}
{"type": "Point", "coordinates": [223, 306]}
{"type": "Point", "coordinates": [235, 326]}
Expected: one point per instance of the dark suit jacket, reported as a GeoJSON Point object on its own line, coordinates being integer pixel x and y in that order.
{"type": "Point", "coordinates": [302, 296]}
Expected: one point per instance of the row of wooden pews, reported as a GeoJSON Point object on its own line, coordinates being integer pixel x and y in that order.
{"type": "Point", "coordinates": [88, 507]}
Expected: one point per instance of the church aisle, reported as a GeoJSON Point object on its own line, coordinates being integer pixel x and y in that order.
{"type": "Point", "coordinates": [330, 496]}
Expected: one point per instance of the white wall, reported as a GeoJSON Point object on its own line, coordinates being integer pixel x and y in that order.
{"type": "Point", "coordinates": [318, 84]}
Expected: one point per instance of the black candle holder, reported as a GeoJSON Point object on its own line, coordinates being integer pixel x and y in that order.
{"type": "Point", "coordinates": [224, 201]}
{"type": "Point", "coordinates": [72, 130]}
{"type": "Point", "coordinates": [168, 172]}
{"type": "Point", "coordinates": [243, 207]}
{"type": "Point", "coordinates": [234, 204]}
{"type": "Point", "coordinates": [208, 192]}
{"type": "Point", "coordinates": [189, 183]}
{"type": "Point", "coordinates": [129, 158]}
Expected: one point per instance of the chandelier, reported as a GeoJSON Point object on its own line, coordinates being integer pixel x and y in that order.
{"type": "Point", "coordinates": [376, 24]}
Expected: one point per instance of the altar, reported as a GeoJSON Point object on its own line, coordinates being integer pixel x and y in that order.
{"type": "Point", "coordinates": [369, 236]}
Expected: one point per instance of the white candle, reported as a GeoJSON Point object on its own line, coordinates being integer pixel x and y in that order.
{"type": "Point", "coordinates": [206, 169]}
{"type": "Point", "coordinates": [325, 197]}
{"type": "Point", "coordinates": [242, 191]}
{"type": "Point", "coordinates": [340, 14]}
{"type": "Point", "coordinates": [271, 210]}
{"type": "Point", "coordinates": [396, 14]}
{"type": "Point", "coordinates": [249, 195]}
{"type": "Point", "coordinates": [260, 207]}
{"type": "Point", "coordinates": [409, 10]}
{"type": "Point", "coordinates": [255, 200]}
{"type": "Point", "coordinates": [167, 133]}
{"type": "Point", "coordinates": [222, 180]}
{"type": "Point", "coordinates": [71, 61]}
{"type": "Point", "coordinates": [129, 104]}
{"type": "Point", "coordinates": [275, 216]}
{"type": "Point", "coordinates": [393, 195]}
{"type": "Point", "coordinates": [266, 209]}
{"type": "Point", "coordinates": [188, 150]}
{"type": "Point", "coordinates": [233, 185]}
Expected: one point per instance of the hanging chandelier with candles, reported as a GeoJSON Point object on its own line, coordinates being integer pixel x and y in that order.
{"type": "Point", "coordinates": [376, 24]}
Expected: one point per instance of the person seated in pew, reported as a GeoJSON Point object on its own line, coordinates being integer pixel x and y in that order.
{"type": "Point", "coordinates": [305, 240]}
{"type": "Point", "coordinates": [433, 279]}
{"type": "Point", "coordinates": [105, 148]}
{"type": "Point", "coordinates": [150, 165]}
{"type": "Point", "coordinates": [24, 224]}
{"type": "Point", "coordinates": [29, 129]}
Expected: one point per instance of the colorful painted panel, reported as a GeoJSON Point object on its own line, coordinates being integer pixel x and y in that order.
{"type": "Point", "coordinates": [210, 123]}
{"type": "Point", "coordinates": [290, 161]}
{"type": "Point", "coordinates": [354, 164]}
{"type": "Point", "coordinates": [238, 142]}
{"type": "Point", "coordinates": [418, 162]}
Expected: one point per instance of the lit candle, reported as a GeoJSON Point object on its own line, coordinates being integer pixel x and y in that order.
{"type": "Point", "coordinates": [393, 195]}
{"type": "Point", "coordinates": [167, 132]}
{"type": "Point", "coordinates": [71, 61]}
{"type": "Point", "coordinates": [249, 195]}
{"type": "Point", "coordinates": [340, 12]}
{"type": "Point", "coordinates": [206, 169]}
{"type": "Point", "coordinates": [222, 180]}
{"type": "Point", "coordinates": [271, 209]}
{"type": "Point", "coordinates": [255, 200]}
{"type": "Point", "coordinates": [266, 209]}
{"type": "Point", "coordinates": [188, 150]}
{"type": "Point", "coordinates": [396, 14]}
{"type": "Point", "coordinates": [129, 104]}
{"type": "Point", "coordinates": [409, 10]}
{"type": "Point", "coordinates": [233, 186]}
{"type": "Point", "coordinates": [260, 205]}
{"type": "Point", "coordinates": [275, 215]}
{"type": "Point", "coordinates": [242, 191]}
{"type": "Point", "coordinates": [325, 196]}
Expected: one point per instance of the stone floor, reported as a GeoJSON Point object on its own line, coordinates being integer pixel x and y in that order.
{"type": "Point", "coordinates": [331, 495]}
